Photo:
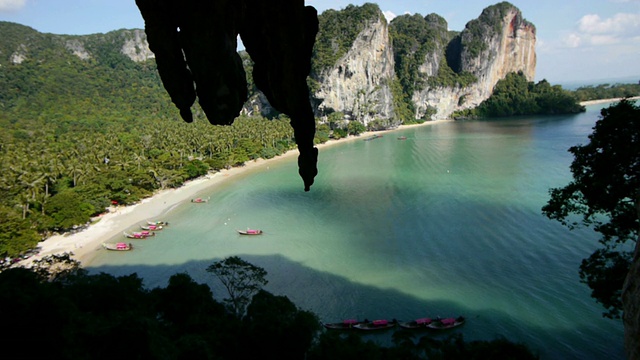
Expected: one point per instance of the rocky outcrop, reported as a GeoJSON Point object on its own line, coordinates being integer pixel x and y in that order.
{"type": "Point", "coordinates": [19, 55]}
{"type": "Point", "coordinates": [506, 44]}
{"type": "Point", "coordinates": [358, 85]}
{"type": "Point", "coordinates": [76, 47]}
{"type": "Point", "coordinates": [454, 71]}
{"type": "Point", "coordinates": [499, 42]}
{"type": "Point", "coordinates": [135, 46]}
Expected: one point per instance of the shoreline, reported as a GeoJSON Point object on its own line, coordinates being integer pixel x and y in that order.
{"type": "Point", "coordinates": [604, 101]}
{"type": "Point", "coordinates": [84, 243]}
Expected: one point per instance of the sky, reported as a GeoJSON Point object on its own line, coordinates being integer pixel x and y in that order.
{"type": "Point", "coordinates": [577, 40]}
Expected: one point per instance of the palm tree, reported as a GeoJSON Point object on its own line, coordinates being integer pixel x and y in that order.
{"type": "Point", "coordinates": [75, 170]}
{"type": "Point", "coordinates": [30, 188]}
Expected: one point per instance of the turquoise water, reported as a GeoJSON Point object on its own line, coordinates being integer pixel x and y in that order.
{"type": "Point", "coordinates": [444, 223]}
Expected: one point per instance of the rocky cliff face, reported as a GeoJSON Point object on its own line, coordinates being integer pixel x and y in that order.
{"type": "Point", "coordinates": [30, 45]}
{"type": "Point", "coordinates": [509, 44]}
{"type": "Point", "coordinates": [358, 85]}
{"type": "Point", "coordinates": [135, 45]}
{"type": "Point", "coordinates": [499, 42]}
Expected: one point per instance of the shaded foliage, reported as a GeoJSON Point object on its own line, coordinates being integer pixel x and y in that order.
{"type": "Point", "coordinates": [241, 279]}
{"type": "Point", "coordinates": [604, 194]}
{"type": "Point", "coordinates": [81, 316]}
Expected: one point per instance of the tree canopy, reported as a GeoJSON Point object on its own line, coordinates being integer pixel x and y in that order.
{"type": "Point", "coordinates": [241, 279]}
{"type": "Point", "coordinates": [606, 91]}
{"type": "Point", "coordinates": [605, 194]}
{"type": "Point", "coordinates": [514, 95]}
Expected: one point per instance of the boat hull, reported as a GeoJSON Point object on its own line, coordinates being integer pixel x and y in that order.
{"type": "Point", "coordinates": [376, 325]}
{"type": "Point", "coordinates": [117, 247]}
{"type": "Point", "coordinates": [446, 324]}
{"type": "Point", "coordinates": [250, 232]}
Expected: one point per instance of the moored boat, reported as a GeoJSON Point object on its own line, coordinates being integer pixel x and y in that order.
{"type": "Point", "coordinates": [347, 324]}
{"type": "Point", "coordinates": [402, 138]}
{"type": "Point", "coordinates": [140, 235]}
{"type": "Point", "coordinates": [250, 232]}
{"type": "Point", "coordinates": [416, 324]}
{"type": "Point", "coordinates": [151, 227]}
{"type": "Point", "coordinates": [446, 323]}
{"type": "Point", "coordinates": [119, 246]}
{"type": "Point", "coordinates": [158, 223]}
{"type": "Point", "coordinates": [200, 200]}
{"type": "Point", "coordinates": [381, 324]}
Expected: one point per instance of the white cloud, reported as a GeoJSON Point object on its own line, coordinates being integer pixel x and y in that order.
{"type": "Point", "coordinates": [12, 5]}
{"type": "Point", "coordinates": [572, 40]}
{"type": "Point", "coordinates": [596, 31]}
{"type": "Point", "coordinates": [617, 25]}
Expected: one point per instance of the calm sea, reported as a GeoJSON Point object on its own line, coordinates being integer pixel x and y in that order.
{"type": "Point", "coordinates": [444, 223]}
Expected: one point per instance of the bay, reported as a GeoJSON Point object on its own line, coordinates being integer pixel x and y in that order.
{"type": "Point", "coordinates": [447, 222]}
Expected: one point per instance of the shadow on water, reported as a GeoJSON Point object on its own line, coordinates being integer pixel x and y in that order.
{"type": "Point", "coordinates": [348, 298]}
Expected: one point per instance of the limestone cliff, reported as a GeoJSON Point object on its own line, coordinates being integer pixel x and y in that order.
{"type": "Point", "coordinates": [358, 83]}
{"type": "Point", "coordinates": [438, 71]}
{"type": "Point", "coordinates": [499, 42]}
{"type": "Point", "coordinates": [506, 44]}
{"type": "Point", "coordinates": [135, 45]}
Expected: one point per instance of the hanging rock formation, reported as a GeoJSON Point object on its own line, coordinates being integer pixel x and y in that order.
{"type": "Point", "coordinates": [195, 42]}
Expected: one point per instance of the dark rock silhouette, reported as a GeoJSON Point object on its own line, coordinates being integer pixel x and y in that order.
{"type": "Point", "coordinates": [195, 44]}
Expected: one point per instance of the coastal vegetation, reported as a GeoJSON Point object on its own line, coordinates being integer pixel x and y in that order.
{"type": "Point", "coordinates": [82, 316]}
{"type": "Point", "coordinates": [514, 95]}
{"type": "Point", "coordinates": [606, 91]}
{"type": "Point", "coordinates": [60, 174]}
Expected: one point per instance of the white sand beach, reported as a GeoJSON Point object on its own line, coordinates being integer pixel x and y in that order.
{"type": "Point", "coordinates": [84, 243]}
{"type": "Point", "coordinates": [604, 101]}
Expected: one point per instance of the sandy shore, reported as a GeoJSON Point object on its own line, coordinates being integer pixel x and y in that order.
{"type": "Point", "coordinates": [83, 244]}
{"type": "Point", "coordinates": [604, 101]}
